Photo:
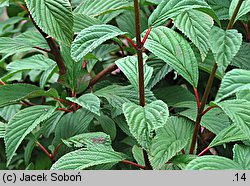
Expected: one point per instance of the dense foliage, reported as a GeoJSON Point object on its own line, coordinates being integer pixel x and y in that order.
{"type": "Point", "coordinates": [122, 84]}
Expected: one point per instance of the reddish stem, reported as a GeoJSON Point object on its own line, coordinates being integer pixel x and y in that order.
{"type": "Point", "coordinates": [204, 151]}
{"type": "Point", "coordinates": [146, 36]}
{"type": "Point", "coordinates": [134, 164]}
{"type": "Point", "coordinates": [62, 101]}
{"type": "Point", "coordinates": [247, 30]}
{"type": "Point", "coordinates": [183, 151]}
{"type": "Point", "coordinates": [2, 83]}
{"type": "Point", "coordinates": [169, 23]}
{"type": "Point", "coordinates": [53, 156]}
{"type": "Point", "coordinates": [65, 110]}
{"type": "Point", "coordinates": [84, 64]}
{"type": "Point", "coordinates": [44, 150]}
{"type": "Point", "coordinates": [197, 98]}
{"type": "Point", "coordinates": [42, 49]}
{"type": "Point", "coordinates": [131, 42]}
{"type": "Point", "coordinates": [208, 109]}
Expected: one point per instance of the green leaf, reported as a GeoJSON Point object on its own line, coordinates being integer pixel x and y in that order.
{"type": "Point", "coordinates": [230, 134]}
{"type": "Point", "coordinates": [99, 7]}
{"type": "Point", "coordinates": [211, 162]}
{"type": "Point", "coordinates": [234, 81]}
{"type": "Point", "coordinates": [143, 121]}
{"type": "Point", "coordinates": [11, 94]}
{"type": "Point", "coordinates": [2, 129]}
{"type": "Point", "coordinates": [88, 101]}
{"type": "Point", "coordinates": [82, 21]}
{"type": "Point", "coordinates": [72, 124]}
{"type": "Point", "coordinates": [47, 74]}
{"type": "Point", "coordinates": [78, 78]}
{"type": "Point", "coordinates": [241, 60]}
{"type": "Point", "coordinates": [4, 3]}
{"type": "Point", "coordinates": [22, 43]}
{"type": "Point", "coordinates": [22, 124]}
{"type": "Point", "coordinates": [170, 8]}
{"type": "Point", "coordinates": [241, 155]}
{"type": "Point", "coordinates": [91, 140]}
{"type": "Point", "coordinates": [224, 45]}
{"type": "Point", "coordinates": [163, 149]}
{"type": "Point", "coordinates": [172, 48]}
{"type": "Point", "coordinates": [108, 125]}
{"type": "Point", "coordinates": [174, 136]}
{"type": "Point", "coordinates": [126, 22]}
{"type": "Point", "coordinates": [54, 17]}
{"type": "Point", "coordinates": [244, 9]}
{"type": "Point", "coordinates": [215, 120]}
{"type": "Point", "coordinates": [160, 70]}
{"type": "Point", "coordinates": [90, 38]}
{"type": "Point", "coordinates": [49, 125]}
{"type": "Point", "coordinates": [196, 26]}
{"type": "Point", "coordinates": [121, 122]}
{"type": "Point", "coordinates": [172, 99]}
{"type": "Point", "coordinates": [36, 62]}
{"type": "Point", "coordinates": [239, 113]}
{"type": "Point", "coordinates": [118, 95]}
{"type": "Point", "coordinates": [9, 111]}
{"type": "Point", "coordinates": [138, 155]}
{"type": "Point", "coordinates": [182, 160]}
{"type": "Point", "coordinates": [129, 66]}
{"type": "Point", "coordinates": [221, 8]}
{"type": "Point", "coordinates": [82, 159]}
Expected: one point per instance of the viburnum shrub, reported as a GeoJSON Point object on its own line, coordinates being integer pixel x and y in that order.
{"type": "Point", "coordinates": [123, 84]}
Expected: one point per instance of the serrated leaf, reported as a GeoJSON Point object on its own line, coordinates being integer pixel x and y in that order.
{"type": "Point", "coordinates": [211, 162]}
{"type": "Point", "coordinates": [82, 159]}
{"type": "Point", "coordinates": [91, 140]}
{"type": "Point", "coordinates": [126, 22]}
{"type": "Point", "coordinates": [82, 21]}
{"type": "Point", "coordinates": [170, 8]}
{"type": "Point", "coordinates": [138, 155]}
{"type": "Point", "coordinates": [174, 136]}
{"type": "Point", "coordinates": [224, 45]}
{"type": "Point", "coordinates": [22, 124]}
{"type": "Point", "coordinates": [221, 8]}
{"type": "Point", "coordinates": [172, 99]}
{"type": "Point", "coordinates": [239, 112]}
{"type": "Point", "coordinates": [49, 125]}
{"type": "Point", "coordinates": [88, 101]}
{"type": "Point", "coordinates": [215, 120]}
{"type": "Point", "coordinates": [9, 111]}
{"type": "Point", "coordinates": [160, 70]}
{"type": "Point", "coordinates": [13, 93]}
{"type": "Point", "coordinates": [178, 128]}
{"type": "Point", "coordinates": [230, 134]}
{"type": "Point", "coordinates": [118, 95]}
{"type": "Point", "coordinates": [143, 121]}
{"type": "Point", "coordinates": [129, 66]}
{"type": "Point", "coordinates": [244, 9]}
{"type": "Point", "coordinates": [182, 160]}
{"type": "Point", "coordinates": [241, 155]}
{"type": "Point", "coordinates": [241, 59]}
{"type": "Point", "coordinates": [2, 129]}
{"type": "Point", "coordinates": [72, 124]}
{"type": "Point", "coordinates": [234, 81]}
{"type": "Point", "coordinates": [78, 78]}
{"type": "Point", "coordinates": [90, 38]}
{"type": "Point", "coordinates": [172, 48]}
{"type": "Point", "coordinates": [54, 17]}
{"type": "Point", "coordinates": [36, 62]}
{"type": "Point", "coordinates": [163, 149]}
{"type": "Point", "coordinates": [108, 125]}
{"type": "Point", "coordinates": [196, 26]}
{"type": "Point", "coordinates": [99, 7]}
{"type": "Point", "coordinates": [22, 43]}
